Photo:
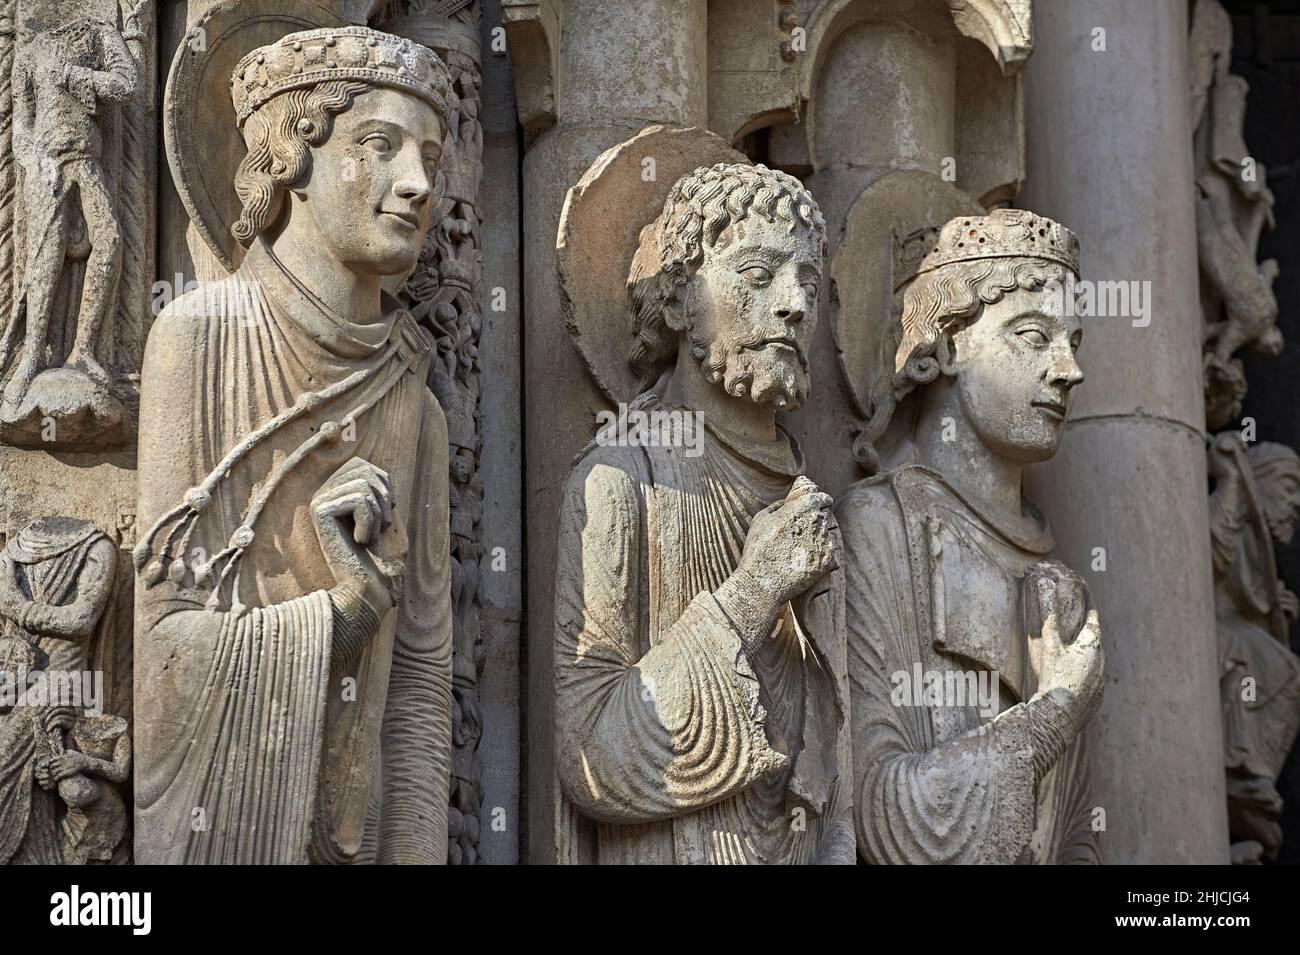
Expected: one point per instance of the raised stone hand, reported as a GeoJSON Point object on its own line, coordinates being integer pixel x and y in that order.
{"type": "Point", "coordinates": [363, 545]}
{"type": "Point", "coordinates": [790, 547]}
{"type": "Point", "coordinates": [1067, 658]}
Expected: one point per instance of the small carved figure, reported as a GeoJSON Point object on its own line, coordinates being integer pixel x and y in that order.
{"type": "Point", "coordinates": [56, 575]}
{"type": "Point", "coordinates": [1255, 500]}
{"type": "Point", "coordinates": [66, 83]}
{"type": "Point", "coordinates": [29, 825]}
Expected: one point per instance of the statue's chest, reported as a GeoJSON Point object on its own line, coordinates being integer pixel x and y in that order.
{"type": "Point", "coordinates": [976, 596]}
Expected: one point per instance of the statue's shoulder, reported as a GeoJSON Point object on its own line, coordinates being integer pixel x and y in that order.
{"type": "Point", "coordinates": [609, 472]}
{"type": "Point", "coordinates": [872, 500]}
{"type": "Point", "coordinates": [187, 320]}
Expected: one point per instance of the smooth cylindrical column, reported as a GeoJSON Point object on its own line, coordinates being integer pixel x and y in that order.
{"type": "Point", "coordinates": [1109, 155]}
{"type": "Point", "coordinates": [884, 100]}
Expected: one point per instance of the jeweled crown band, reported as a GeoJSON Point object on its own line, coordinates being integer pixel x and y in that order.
{"type": "Point", "coordinates": [340, 53]}
{"type": "Point", "coordinates": [1003, 233]}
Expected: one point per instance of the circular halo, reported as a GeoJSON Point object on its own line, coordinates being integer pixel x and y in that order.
{"type": "Point", "coordinates": [600, 230]}
{"type": "Point", "coordinates": [204, 144]}
{"type": "Point", "coordinates": [862, 268]}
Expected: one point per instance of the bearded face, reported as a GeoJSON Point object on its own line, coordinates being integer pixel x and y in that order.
{"type": "Point", "coordinates": [752, 307]}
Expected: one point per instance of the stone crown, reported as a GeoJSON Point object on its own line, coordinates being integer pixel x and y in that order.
{"type": "Point", "coordinates": [339, 53]}
{"type": "Point", "coordinates": [1003, 233]}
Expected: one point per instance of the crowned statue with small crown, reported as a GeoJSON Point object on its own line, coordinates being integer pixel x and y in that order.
{"type": "Point", "coordinates": [293, 618]}
{"type": "Point", "coordinates": [950, 579]}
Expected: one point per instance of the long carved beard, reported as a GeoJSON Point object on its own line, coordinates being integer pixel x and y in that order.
{"type": "Point", "coordinates": [768, 375]}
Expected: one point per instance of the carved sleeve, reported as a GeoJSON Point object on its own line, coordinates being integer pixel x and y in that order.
{"type": "Point", "coordinates": [968, 800]}
{"type": "Point", "coordinates": [116, 82]}
{"type": "Point", "coordinates": [643, 733]}
{"type": "Point", "coordinates": [75, 620]}
{"type": "Point", "coordinates": [417, 721]}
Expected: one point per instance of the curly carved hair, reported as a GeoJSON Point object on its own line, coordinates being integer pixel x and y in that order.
{"type": "Point", "coordinates": [700, 207]}
{"type": "Point", "coordinates": [935, 306]}
{"type": "Point", "coordinates": [279, 136]}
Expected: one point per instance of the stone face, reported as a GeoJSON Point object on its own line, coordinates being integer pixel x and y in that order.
{"type": "Point", "coordinates": [295, 540]}
{"type": "Point", "coordinates": [699, 668]}
{"type": "Point", "coordinates": [975, 657]}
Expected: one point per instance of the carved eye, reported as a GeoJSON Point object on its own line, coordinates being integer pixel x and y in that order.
{"type": "Point", "coordinates": [378, 142]}
{"type": "Point", "coordinates": [1034, 336]}
{"type": "Point", "coordinates": [757, 274]}
{"type": "Point", "coordinates": [810, 289]}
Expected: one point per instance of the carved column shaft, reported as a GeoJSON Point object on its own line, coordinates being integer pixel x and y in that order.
{"type": "Point", "coordinates": [1130, 477]}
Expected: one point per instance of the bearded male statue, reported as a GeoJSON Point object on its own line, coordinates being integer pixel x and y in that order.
{"type": "Point", "coordinates": [699, 658]}
{"type": "Point", "coordinates": [293, 618]}
{"type": "Point", "coordinates": [950, 580]}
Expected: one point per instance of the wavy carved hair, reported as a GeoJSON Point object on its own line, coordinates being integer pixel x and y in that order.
{"type": "Point", "coordinates": [279, 136]}
{"type": "Point", "coordinates": [935, 306]}
{"type": "Point", "coordinates": [700, 207]}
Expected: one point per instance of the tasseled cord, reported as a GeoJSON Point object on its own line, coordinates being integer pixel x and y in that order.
{"type": "Point", "coordinates": [182, 519]}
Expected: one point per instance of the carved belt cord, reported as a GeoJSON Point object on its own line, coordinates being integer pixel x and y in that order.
{"type": "Point", "coordinates": [182, 519]}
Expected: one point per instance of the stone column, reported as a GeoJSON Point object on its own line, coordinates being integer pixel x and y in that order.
{"type": "Point", "coordinates": [500, 573]}
{"type": "Point", "coordinates": [1109, 155]}
{"type": "Point", "coordinates": [884, 99]}
{"type": "Point", "coordinates": [895, 88]}
{"type": "Point", "coordinates": [618, 65]}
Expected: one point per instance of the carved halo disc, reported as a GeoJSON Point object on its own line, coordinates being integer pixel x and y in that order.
{"type": "Point", "coordinates": [204, 145]}
{"type": "Point", "coordinates": [600, 228]}
{"type": "Point", "coordinates": [862, 269]}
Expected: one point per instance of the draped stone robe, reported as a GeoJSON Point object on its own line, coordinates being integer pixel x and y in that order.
{"type": "Point", "coordinates": [249, 747]}
{"type": "Point", "coordinates": [932, 582]}
{"type": "Point", "coordinates": [673, 746]}
{"type": "Point", "coordinates": [51, 557]}
{"type": "Point", "coordinates": [29, 832]}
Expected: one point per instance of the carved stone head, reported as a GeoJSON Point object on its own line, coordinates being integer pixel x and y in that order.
{"type": "Point", "coordinates": [1276, 468]}
{"type": "Point", "coordinates": [988, 314]}
{"type": "Point", "coordinates": [734, 264]}
{"type": "Point", "coordinates": [343, 126]}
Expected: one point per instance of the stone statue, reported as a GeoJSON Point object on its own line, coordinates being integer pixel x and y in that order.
{"type": "Point", "coordinates": [293, 615]}
{"type": "Point", "coordinates": [699, 660]}
{"type": "Point", "coordinates": [1255, 500]}
{"type": "Point", "coordinates": [68, 81]}
{"type": "Point", "coordinates": [975, 659]}
{"type": "Point", "coordinates": [29, 827]}
{"type": "Point", "coordinates": [1233, 207]}
{"type": "Point", "coordinates": [56, 576]}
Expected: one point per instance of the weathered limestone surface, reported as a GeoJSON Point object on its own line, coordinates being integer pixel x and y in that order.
{"type": "Point", "coordinates": [951, 582]}
{"type": "Point", "coordinates": [1129, 478]}
{"type": "Point", "coordinates": [1254, 498]}
{"type": "Point", "coordinates": [77, 170]}
{"type": "Point", "coordinates": [295, 542]}
{"type": "Point", "coordinates": [700, 694]}
{"type": "Point", "coordinates": [376, 535]}
{"type": "Point", "coordinates": [618, 47]}
{"type": "Point", "coordinates": [501, 465]}
{"type": "Point", "coordinates": [79, 159]}
{"type": "Point", "coordinates": [64, 760]}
